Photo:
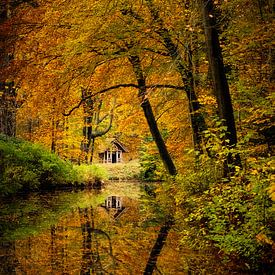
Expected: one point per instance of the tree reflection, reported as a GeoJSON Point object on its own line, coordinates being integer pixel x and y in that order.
{"type": "Point", "coordinates": [53, 248]}
{"type": "Point", "coordinates": [97, 255]}
{"type": "Point", "coordinates": [105, 233]}
{"type": "Point", "coordinates": [156, 250]}
{"type": "Point", "coordinates": [59, 249]}
{"type": "Point", "coordinates": [8, 261]}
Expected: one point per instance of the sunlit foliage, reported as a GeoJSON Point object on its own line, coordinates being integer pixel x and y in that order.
{"type": "Point", "coordinates": [58, 48]}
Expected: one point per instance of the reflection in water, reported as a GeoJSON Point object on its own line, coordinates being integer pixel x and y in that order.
{"type": "Point", "coordinates": [58, 249]}
{"type": "Point", "coordinates": [113, 204]}
{"type": "Point", "coordinates": [90, 232]}
{"type": "Point", "coordinates": [93, 260]}
{"type": "Point", "coordinates": [53, 250]}
{"type": "Point", "coordinates": [7, 256]}
{"type": "Point", "coordinates": [156, 250]}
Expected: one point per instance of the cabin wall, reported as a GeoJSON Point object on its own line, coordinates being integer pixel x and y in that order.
{"type": "Point", "coordinates": [111, 156]}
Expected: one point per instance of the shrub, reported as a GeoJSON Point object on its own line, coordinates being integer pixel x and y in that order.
{"type": "Point", "coordinates": [25, 166]}
{"type": "Point", "coordinates": [233, 215]}
{"type": "Point", "coordinates": [151, 167]}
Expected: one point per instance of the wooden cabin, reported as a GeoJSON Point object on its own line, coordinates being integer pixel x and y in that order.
{"type": "Point", "coordinates": [114, 153]}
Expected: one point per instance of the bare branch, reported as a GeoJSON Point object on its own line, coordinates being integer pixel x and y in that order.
{"type": "Point", "coordinates": [129, 85]}
{"type": "Point", "coordinates": [101, 92]}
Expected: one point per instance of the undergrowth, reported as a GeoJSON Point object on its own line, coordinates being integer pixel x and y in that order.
{"type": "Point", "coordinates": [25, 167]}
{"type": "Point", "coordinates": [233, 215]}
{"type": "Point", "coordinates": [122, 171]}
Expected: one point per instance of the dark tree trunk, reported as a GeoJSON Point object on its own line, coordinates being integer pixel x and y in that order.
{"type": "Point", "coordinates": [148, 112]}
{"type": "Point", "coordinates": [92, 150]}
{"type": "Point", "coordinates": [53, 248]}
{"type": "Point", "coordinates": [8, 108]}
{"type": "Point", "coordinates": [92, 122]}
{"type": "Point", "coordinates": [197, 119]}
{"type": "Point", "coordinates": [220, 84]}
{"type": "Point", "coordinates": [53, 143]}
{"type": "Point", "coordinates": [164, 154]}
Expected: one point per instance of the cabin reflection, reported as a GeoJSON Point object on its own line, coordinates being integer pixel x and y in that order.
{"type": "Point", "coordinates": [114, 205]}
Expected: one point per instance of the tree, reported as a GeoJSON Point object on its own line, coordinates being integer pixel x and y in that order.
{"type": "Point", "coordinates": [184, 69]}
{"type": "Point", "coordinates": [148, 112]}
{"type": "Point", "coordinates": [220, 84]}
{"type": "Point", "coordinates": [93, 122]}
{"type": "Point", "coordinates": [8, 106]}
{"type": "Point", "coordinates": [7, 88]}
{"type": "Point", "coordinates": [8, 37]}
{"type": "Point", "coordinates": [78, 59]}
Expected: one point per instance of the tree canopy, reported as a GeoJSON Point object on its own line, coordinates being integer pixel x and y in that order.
{"type": "Point", "coordinates": [194, 76]}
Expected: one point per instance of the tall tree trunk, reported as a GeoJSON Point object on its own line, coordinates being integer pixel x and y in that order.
{"type": "Point", "coordinates": [92, 121]}
{"type": "Point", "coordinates": [8, 108]}
{"type": "Point", "coordinates": [53, 141]}
{"type": "Point", "coordinates": [92, 150]}
{"type": "Point", "coordinates": [220, 84]}
{"type": "Point", "coordinates": [149, 115]}
{"type": "Point", "coordinates": [7, 42]}
{"type": "Point", "coordinates": [197, 119]}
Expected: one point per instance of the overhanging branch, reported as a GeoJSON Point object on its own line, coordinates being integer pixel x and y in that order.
{"type": "Point", "coordinates": [129, 85]}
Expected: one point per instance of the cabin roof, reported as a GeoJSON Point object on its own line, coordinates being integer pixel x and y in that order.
{"type": "Point", "coordinates": [116, 142]}
{"type": "Point", "coordinates": [120, 145]}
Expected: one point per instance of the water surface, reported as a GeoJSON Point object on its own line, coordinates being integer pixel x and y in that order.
{"type": "Point", "coordinates": [108, 231]}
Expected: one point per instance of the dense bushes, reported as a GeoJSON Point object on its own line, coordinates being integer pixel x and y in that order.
{"type": "Point", "coordinates": [233, 214]}
{"type": "Point", "coordinates": [232, 218]}
{"type": "Point", "coordinates": [25, 166]}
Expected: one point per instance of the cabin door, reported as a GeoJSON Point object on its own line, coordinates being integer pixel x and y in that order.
{"type": "Point", "coordinates": [114, 157]}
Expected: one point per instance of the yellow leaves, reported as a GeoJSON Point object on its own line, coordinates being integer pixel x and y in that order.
{"type": "Point", "coordinates": [262, 238]}
{"type": "Point", "coordinates": [254, 172]}
{"type": "Point", "coordinates": [271, 189]}
{"type": "Point", "coordinates": [207, 99]}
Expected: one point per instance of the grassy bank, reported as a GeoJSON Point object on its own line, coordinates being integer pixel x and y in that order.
{"type": "Point", "coordinates": [90, 174]}
{"type": "Point", "coordinates": [26, 167]}
{"type": "Point", "coordinates": [122, 171]}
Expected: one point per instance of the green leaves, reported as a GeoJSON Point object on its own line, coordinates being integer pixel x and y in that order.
{"type": "Point", "coordinates": [26, 167]}
{"type": "Point", "coordinates": [234, 215]}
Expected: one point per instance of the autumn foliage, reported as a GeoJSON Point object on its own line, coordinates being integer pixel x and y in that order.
{"type": "Point", "coordinates": [151, 63]}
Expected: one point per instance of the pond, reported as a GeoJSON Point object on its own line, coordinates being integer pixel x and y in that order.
{"type": "Point", "coordinates": [108, 231]}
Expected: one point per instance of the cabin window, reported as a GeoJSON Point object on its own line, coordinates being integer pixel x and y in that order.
{"type": "Point", "coordinates": [119, 156]}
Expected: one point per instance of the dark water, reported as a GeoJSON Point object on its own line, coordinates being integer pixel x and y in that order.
{"type": "Point", "coordinates": [90, 232]}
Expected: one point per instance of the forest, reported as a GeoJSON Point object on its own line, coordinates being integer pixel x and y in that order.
{"type": "Point", "coordinates": [187, 86]}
